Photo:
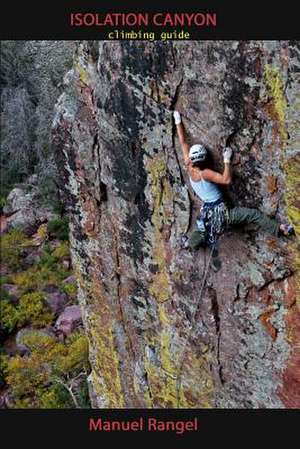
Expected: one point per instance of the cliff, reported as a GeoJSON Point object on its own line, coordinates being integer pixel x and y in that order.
{"type": "Point", "coordinates": [129, 202]}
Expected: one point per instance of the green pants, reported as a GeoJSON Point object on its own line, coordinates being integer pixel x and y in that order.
{"type": "Point", "coordinates": [240, 216]}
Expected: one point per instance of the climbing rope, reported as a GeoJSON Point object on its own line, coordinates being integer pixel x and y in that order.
{"type": "Point", "coordinates": [183, 354]}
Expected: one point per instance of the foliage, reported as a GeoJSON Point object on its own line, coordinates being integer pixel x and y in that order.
{"type": "Point", "coordinates": [42, 231]}
{"type": "Point", "coordinates": [62, 251]}
{"type": "Point", "coordinates": [59, 228]}
{"type": "Point", "coordinates": [12, 246]}
{"type": "Point", "coordinates": [30, 310]}
{"type": "Point", "coordinates": [53, 375]}
{"type": "Point", "coordinates": [70, 289]}
{"type": "Point", "coordinates": [2, 202]}
{"type": "Point", "coordinates": [4, 294]}
{"type": "Point", "coordinates": [33, 310]}
{"type": "Point", "coordinates": [4, 279]}
{"type": "Point", "coordinates": [47, 272]}
{"type": "Point", "coordinates": [8, 315]}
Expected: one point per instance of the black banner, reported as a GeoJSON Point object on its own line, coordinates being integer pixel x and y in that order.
{"type": "Point", "coordinates": [175, 428]}
{"type": "Point", "coordinates": [95, 19]}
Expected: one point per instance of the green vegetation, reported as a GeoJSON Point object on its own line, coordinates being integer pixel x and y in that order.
{"type": "Point", "coordinates": [12, 246]}
{"type": "Point", "coordinates": [70, 289]}
{"type": "Point", "coordinates": [62, 251]}
{"type": "Point", "coordinates": [52, 376]}
{"type": "Point", "coordinates": [31, 309]}
{"type": "Point", "coordinates": [39, 276]}
{"type": "Point", "coordinates": [59, 228]}
{"type": "Point", "coordinates": [53, 373]}
{"type": "Point", "coordinates": [48, 271]}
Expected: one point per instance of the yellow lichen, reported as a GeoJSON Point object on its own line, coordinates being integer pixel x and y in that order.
{"type": "Point", "coordinates": [106, 376]}
{"type": "Point", "coordinates": [83, 73]}
{"type": "Point", "coordinates": [274, 83]}
{"type": "Point", "coordinates": [292, 171]}
{"type": "Point", "coordinates": [282, 112]}
{"type": "Point", "coordinates": [162, 197]}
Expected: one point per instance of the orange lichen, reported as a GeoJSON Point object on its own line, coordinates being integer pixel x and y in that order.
{"type": "Point", "coordinates": [265, 320]}
{"type": "Point", "coordinates": [272, 184]}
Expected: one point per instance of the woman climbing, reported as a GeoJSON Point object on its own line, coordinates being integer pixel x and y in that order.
{"type": "Point", "coordinates": [214, 215]}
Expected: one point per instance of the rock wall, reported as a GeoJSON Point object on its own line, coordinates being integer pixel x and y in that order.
{"type": "Point", "coordinates": [130, 201]}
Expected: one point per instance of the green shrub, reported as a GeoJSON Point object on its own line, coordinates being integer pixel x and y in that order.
{"type": "Point", "coordinates": [2, 202]}
{"type": "Point", "coordinates": [59, 228]}
{"type": "Point", "coordinates": [12, 245]}
{"type": "Point", "coordinates": [39, 276]}
{"type": "Point", "coordinates": [4, 294]}
{"type": "Point", "coordinates": [9, 318]}
{"type": "Point", "coordinates": [43, 379]}
{"type": "Point", "coordinates": [33, 310]}
{"type": "Point", "coordinates": [30, 310]}
{"type": "Point", "coordinates": [70, 289]}
{"type": "Point", "coordinates": [5, 279]}
{"type": "Point", "coordinates": [47, 258]}
{"type": "Point", "coordinates": [62, 251]}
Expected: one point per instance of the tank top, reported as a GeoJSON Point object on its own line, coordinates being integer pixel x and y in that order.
{"type": "Point", "coordinates": [207, 191]}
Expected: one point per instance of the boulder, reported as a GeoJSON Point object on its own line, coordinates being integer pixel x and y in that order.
{"type": "Point", "coordinates": [23, 210]}
{"type": "Point", "coordinates": [69, 320]}
{"type": "Point", "coordinates": [56, 301]}
{"type": "Point", "coordinates": [69, 280]}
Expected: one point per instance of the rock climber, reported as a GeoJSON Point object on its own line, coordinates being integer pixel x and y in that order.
{"type": "Point", "coordinates": [215, 216]}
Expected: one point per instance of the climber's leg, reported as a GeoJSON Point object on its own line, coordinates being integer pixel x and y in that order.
{"type": "Point", "coordinates": [245, 215]}
{"type": "Point", "coordinates": [196, 239]}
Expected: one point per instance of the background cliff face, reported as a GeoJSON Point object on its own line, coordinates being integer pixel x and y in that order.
{"type": "Point", "coordinates": [30, 80]}
{"type": "Point", "coordinates": [129, 202]}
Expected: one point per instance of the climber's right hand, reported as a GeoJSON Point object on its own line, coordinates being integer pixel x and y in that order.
{"type": "Point", "coordinates": [177, 117]}
{"type": "Point", "coordinates": [227, 154]}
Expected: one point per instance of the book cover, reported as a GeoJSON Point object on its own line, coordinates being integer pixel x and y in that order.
{"type": "Point", "coordinates": [149, 219]}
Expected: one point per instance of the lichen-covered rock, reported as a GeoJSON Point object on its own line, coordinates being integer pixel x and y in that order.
{"type": "Point", "coordinates": [129, 201]}
{"type": "Point", "coordinates": [23, 210]}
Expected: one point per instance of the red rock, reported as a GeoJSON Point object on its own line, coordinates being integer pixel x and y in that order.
{"type": "Point", "coordinates": [56, 301]}
{"type": "Point", "coordinates": [69, 320]}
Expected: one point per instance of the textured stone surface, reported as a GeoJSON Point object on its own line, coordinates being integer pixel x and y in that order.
{"type": "Point", "coordinates": [23, 211]}
{"type": "Point", "coordinates": [68, 320]}
{"type": "Point", "coordinates": [56, 301]}
{"type": "Point", "coordinates": [129, 202]}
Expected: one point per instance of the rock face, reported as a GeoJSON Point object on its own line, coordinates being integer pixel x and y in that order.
{"type": "Point", "coordinates": [130, 201]}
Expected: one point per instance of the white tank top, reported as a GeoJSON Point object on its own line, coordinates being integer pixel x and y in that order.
{"type": "Point", "coordinates": [207, 191]}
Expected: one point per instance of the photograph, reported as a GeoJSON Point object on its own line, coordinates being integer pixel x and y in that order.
{"type": "Point", "coordinates": [150, 224]}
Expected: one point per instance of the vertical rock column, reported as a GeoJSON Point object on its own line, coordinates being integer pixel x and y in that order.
{"type": "Point", "coordinates": [129, 202]}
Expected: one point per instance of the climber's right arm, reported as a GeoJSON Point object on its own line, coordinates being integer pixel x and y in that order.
{"type": "Point", "coordinates": [180, 131]}
{"type": "Point", "coordinates": [213, 176]}
{"type": "Point", "coordinates": [218, 178]}
{"type": "Point", "coordinates": [225, 177]}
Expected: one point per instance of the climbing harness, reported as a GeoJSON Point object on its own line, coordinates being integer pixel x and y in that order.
{"type": "Point", "coordinates": [212, 220]}
{"type": "Point", "coordinates": [183, 353]}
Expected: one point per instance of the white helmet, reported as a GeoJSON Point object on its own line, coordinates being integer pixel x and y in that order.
{"type": "Point", "coordinates": [197, 153]}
